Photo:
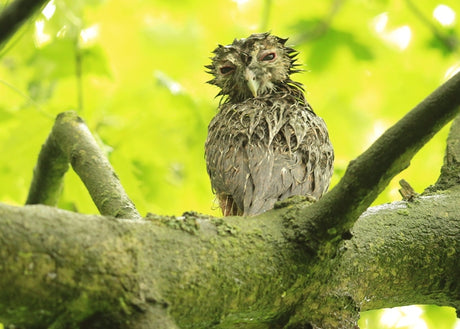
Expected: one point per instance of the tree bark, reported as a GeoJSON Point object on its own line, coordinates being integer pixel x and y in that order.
{"type": "Point", "coordinates": [60, 269]}
{"type": "Point", "coordinates": [450, 171]}
{"type": "Point", "coordinates": [13, 16]}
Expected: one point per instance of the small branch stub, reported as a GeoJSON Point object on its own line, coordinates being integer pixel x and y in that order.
{"type": "Point", "coordinates": [406, 191]}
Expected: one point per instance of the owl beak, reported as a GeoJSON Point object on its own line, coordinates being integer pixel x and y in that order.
{"type": "Point", "coordinates": [253, 84]}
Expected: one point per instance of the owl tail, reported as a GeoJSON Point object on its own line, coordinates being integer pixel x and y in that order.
{"type": "Point", "coordinates": [228, 205]}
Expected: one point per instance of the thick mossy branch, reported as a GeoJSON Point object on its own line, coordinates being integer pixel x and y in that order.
{"type": "Point", "coordinates": [71, 270]}
{"type": "Point", "coordinates": [13, 16]}
{"type": "Point", "coordinates": [401, 237]}
{"type": "Point", "coordinates": [370, 173]}
{"type": "Point", "coordinates": [71, 142]}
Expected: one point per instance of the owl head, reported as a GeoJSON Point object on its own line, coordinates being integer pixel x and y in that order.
{"type": "Point", "coordinates": [252, 67]}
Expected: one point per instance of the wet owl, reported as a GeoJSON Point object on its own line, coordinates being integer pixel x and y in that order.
{"type": "Point", "coordinates": [265, 142]}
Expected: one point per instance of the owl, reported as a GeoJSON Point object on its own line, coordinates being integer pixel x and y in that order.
{"type": "Point", "coordinates": [265, 143]}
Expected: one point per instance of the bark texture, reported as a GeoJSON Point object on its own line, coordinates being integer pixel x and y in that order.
{"type": "Point", "coordinates": [450, 171]}
{"type": "Point", "coordinates": [13, 16]}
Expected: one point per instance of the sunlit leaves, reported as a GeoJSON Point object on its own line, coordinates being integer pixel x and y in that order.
{"type": "Point", "coordinates": [55, 60]}
{"type": "Point", "coordinates": [445, 15]}
{"type": "Point", "coordinates": [325, 45]}
{"type": "Point", "coordinates": [95, 62]}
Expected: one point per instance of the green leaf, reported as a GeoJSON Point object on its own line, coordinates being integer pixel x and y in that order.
{"type": "Point", "coordinates": [94, 61]}
{"type": "Point", "coordinates": [325, 47]}
{"type": "Point", "coordinates": [55, 60]}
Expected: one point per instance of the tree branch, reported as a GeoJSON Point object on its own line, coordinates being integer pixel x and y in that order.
{"type": "Point", "coordinates": [62, 269]}
{"type": "Point", "coordinates": [71, 142]}
{"type": "Point", "coordinates": [366, 176]}
{"type": "Point", "coordinates": [15, 15]}
{"type": "Point", "coordinates": [450, 171]}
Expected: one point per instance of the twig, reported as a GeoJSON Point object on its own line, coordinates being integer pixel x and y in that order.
{"type": "Point", "coordinates": [407, 192]}
{"type": "Point", "coordinates": [30, 101]}
{"type": "Point", "coordinates": [79, 76]}
{"type": "Point", "coordinates": [71, 142]}
{"type": "Point", "coordinates": [15, 14]}
{"type": "Point", "coordinates": [370, 173]}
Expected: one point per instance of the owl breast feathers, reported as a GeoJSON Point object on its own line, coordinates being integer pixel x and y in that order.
{"type": "Point", "coordinates": [265, 143]}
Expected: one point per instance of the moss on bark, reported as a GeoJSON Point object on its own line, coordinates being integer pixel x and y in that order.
{"type": "Point", "coordinates": [60, 268]}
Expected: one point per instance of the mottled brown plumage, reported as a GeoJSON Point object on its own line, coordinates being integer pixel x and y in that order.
{"type": "Point", "coordinates": [265, 143]}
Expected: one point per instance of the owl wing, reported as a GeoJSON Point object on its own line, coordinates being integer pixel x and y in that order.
{"type": "Point", "coordinates": [301, 166]}
{"type": "Point", "coordinates": [264, 150]}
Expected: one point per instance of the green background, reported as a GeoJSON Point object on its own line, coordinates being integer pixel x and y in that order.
{"type": "Point", "coordinates": [134, 70]}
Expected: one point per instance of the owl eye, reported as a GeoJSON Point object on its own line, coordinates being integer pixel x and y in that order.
{"type": "Point", "coordinates": [269, 57]}
{"type": "Point", "coordinates": [226, 69]}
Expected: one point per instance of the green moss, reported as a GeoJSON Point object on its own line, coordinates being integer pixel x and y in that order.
{"type": "Point", "coordinates": [187, 223]}
{"type": "Point", "coordinates": [224, 228]}
{"type": "Point", "coordinates": [294, 200]}
{"type": "Point", "coordinates": [403, 212]}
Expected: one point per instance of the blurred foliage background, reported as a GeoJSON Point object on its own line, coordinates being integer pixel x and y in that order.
{"type": "Point", "coordinates": [134, 71]}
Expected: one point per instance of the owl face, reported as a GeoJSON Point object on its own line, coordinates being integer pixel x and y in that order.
{"type": "Point", "coordinates": [253, 67]}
